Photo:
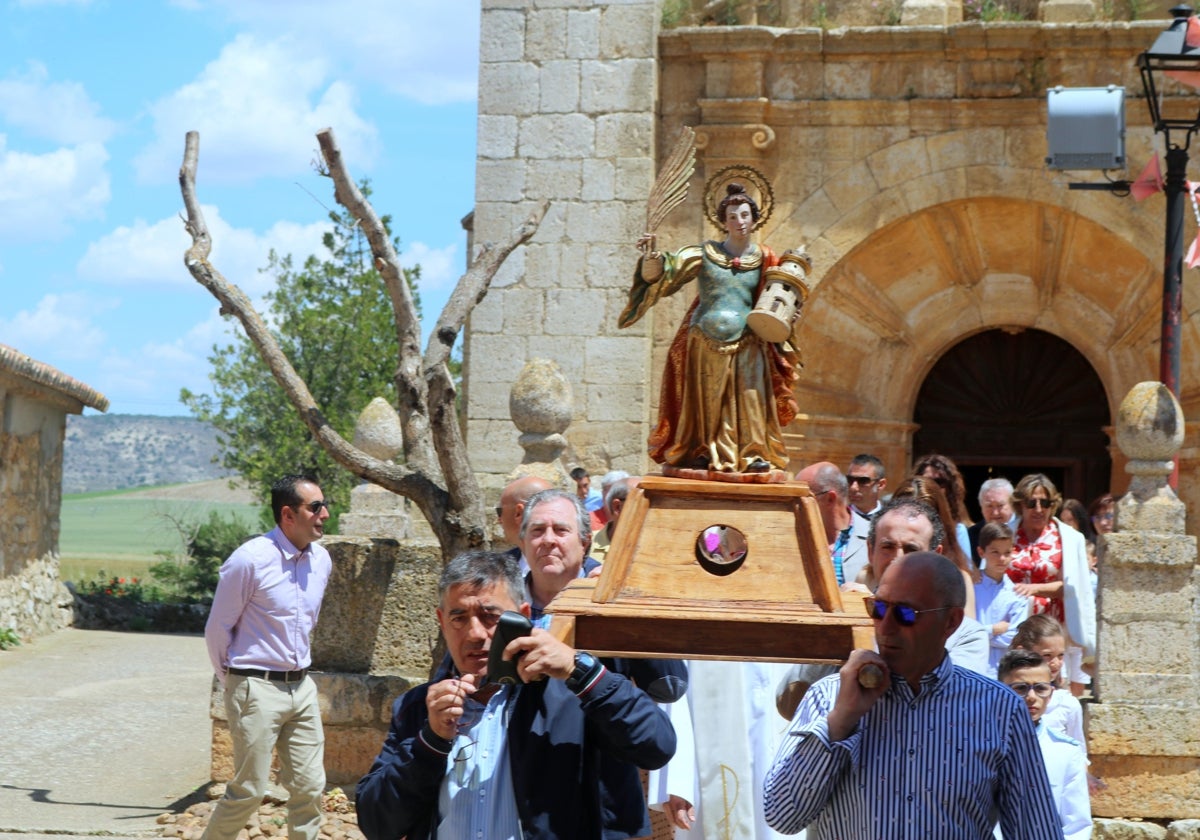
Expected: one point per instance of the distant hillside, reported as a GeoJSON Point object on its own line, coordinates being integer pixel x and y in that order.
{"type": "Point", "coordinates": [112, 452]}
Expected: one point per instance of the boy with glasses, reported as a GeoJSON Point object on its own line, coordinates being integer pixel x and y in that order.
{"type": "Point", "coordinates": [1026, 673]}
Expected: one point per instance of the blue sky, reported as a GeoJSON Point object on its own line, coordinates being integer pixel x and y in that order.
{"type": "Point", "coordinates": [95, 99]}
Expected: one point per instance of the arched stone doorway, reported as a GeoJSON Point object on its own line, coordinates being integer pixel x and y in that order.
{"type": "Point", "coordinates": [1010, 402]}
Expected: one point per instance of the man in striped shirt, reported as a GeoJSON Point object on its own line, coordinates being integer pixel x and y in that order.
{"type": "Point", "coordinates": [928, 749]}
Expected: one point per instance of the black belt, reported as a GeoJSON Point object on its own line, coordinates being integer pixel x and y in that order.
{"type": "Point", "coordinates": [276, 676]}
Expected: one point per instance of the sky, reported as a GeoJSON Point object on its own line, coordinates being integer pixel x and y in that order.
{"type": "Point", "coordinates": [96, 97]}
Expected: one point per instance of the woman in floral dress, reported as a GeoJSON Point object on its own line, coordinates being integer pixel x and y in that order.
{"type": "Point", "coordinates": [1050, 567]}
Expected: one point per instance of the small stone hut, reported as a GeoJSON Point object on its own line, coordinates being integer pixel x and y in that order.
{"type": "Point", "coordinates": [35, 400]}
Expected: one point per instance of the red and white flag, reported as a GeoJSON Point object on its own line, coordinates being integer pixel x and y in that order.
{"type": "Point", "coordinates": [1149, 182]}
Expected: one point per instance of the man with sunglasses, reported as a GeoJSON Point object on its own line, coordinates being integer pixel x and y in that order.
{"type": "Point", "coordinates": [913, 746]}
{"type": "Point", "coordinates": [902, 526]}
{"type": "Point", "coordinates": [867, 482]}
{"type": "Point", "coordinates": [263, 613]}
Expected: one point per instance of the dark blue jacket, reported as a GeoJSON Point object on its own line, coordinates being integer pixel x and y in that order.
{"type": "Point", "coordinates": [555, 744]}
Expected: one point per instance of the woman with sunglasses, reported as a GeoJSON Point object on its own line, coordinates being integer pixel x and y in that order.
{"type": "Point", "coordinates": [1050, 566]}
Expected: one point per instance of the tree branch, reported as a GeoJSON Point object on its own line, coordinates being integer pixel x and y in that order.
{"type": "Point", "coordinates": [471, 288]}
{"type": "Point", "coordinates": [433, 445]}
{"type": "Point", "coordinates": [411, 390]}
{"type": "Point", "coordinates": [399, 479]}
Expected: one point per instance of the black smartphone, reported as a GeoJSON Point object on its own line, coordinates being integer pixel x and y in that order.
{"type": "Point", "coordinates": [512, 625]}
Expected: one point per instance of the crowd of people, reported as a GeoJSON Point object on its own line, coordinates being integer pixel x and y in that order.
{"type": "Point", "coordinates": [964, 716]}
{"type": "Point", "coordinates": [1030, 565]}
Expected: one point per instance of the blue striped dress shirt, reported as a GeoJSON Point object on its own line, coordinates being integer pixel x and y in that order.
{"type": "Point", "coordinates": [946, 763]}
{"type": "Point", "coordinates": [476, 801]}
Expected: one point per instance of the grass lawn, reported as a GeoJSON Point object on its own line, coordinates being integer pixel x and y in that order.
{"type": "Point", "coordinates": [118, 533]}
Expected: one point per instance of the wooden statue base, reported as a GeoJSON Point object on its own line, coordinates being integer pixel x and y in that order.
{"type": "Point", "coordinates": [768, 594]}
{"type": "Point", "coordinates": [769, 477]}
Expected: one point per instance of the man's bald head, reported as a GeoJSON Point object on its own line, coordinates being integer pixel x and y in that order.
{"type": "Point", "coordinates": [823, 477]}
{"type": "Point", "coordinates": [512, 504]}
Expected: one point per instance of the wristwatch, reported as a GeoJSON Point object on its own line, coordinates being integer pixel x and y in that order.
{"type": "Point", "coordinates": [587, 668]}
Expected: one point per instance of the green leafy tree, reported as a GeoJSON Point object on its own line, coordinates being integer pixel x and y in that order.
{"type": "Point", "coordinates": [333, 320]}
{"type": "Point", "coordinates": [193, 576]}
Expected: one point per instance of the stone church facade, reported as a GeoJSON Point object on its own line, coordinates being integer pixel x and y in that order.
{"type": "Point", "coordinates": [968, 301]}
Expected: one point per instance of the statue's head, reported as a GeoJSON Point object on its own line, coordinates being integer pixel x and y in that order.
{"type": "Point", "coordinates": [735, 194]}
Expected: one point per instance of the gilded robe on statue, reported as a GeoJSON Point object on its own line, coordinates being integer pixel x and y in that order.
{"type": "Point", "coordinates": [726, 393]}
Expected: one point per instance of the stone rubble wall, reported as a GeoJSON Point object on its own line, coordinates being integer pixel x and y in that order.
{"type": "Point", "coordinates": [32, 601]}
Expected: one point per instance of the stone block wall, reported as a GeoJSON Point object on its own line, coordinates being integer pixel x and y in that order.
{"type": "Point", "coordinates": [1144, 738]}
{"type": "Point", "coordinates": [378, 615]}
{"type": "Point", "coordinates": [566, 115]}
{"type": "Point", "coordinates": [32, 601]}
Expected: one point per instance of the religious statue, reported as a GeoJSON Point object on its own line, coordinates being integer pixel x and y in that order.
{"type": "Point", "coordinates": [727, 386]}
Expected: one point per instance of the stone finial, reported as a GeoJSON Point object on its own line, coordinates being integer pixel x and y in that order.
{"type": "Point", "coordinates": [377, 431]}
{"type": "Point", "coordinates": [541, 405]}
{"type": "Point", "coordinates": [1150, 433]}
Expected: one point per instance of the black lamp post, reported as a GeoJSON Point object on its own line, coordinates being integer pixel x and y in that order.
{"type": "Point", "coordinates": [1170, 53]}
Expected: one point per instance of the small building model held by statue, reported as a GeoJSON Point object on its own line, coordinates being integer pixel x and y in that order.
{"type": "Point", "coordinates": [727, 386]}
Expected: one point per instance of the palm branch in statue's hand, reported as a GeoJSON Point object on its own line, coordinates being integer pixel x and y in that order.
{"type": "Point", "coordinates": [671, 187]}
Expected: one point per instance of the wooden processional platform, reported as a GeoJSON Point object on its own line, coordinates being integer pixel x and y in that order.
{"type": "Point", "coordinates": [713, 570]}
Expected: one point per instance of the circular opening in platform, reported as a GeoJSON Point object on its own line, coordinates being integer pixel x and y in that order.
{"type": "Point", "coordinates": [721, 549]}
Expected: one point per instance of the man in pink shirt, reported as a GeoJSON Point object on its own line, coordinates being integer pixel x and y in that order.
{"type": "Point", "coordinates": [263, 613]}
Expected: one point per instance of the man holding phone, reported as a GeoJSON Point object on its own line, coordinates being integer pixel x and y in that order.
{"type": "Point", "coordinates": [464, 759]}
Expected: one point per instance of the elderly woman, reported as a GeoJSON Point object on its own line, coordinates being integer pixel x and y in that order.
{"type": "Point", "coordinates": [1050, 566]}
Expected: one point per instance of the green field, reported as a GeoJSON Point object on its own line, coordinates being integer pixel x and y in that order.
{"type": "Point", "coordinates": [118, 532]}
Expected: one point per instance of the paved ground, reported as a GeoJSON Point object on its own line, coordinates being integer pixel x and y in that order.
{"type": "Point", "coordinates": [102, 732]}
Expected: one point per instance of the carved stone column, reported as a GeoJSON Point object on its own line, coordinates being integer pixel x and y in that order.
{"type": "Point", "coordinates": [1144, 731]}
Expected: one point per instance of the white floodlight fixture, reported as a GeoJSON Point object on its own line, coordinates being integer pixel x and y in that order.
{"type": "Point", "coordinates": [1085, 127]}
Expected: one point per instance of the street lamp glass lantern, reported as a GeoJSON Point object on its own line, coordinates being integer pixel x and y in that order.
{"type": "Point", "coordinates": [1171, 65]}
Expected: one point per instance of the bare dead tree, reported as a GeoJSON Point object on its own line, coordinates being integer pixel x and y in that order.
{"type": "Point", "coordinates": [436, 474]}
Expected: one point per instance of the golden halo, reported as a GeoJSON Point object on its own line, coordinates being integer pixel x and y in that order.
{"type": "Point", "coordinates": [748, 176]}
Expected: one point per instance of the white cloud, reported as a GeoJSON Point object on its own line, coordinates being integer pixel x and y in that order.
{"type": "Point", "coordinates": [149, 378]}
{"type": "Point", "coordinates": [257, 108]}
{"type": "Point", "coordinates": [440, 267]}
{"type": "Point", "coordinates": [60, 112]}
{"type": "Point", "coordinates": [425, 50]}
{"type": "Point", "coordinates": [59, 325]}
{"type": "Point", "coordinates": [41, 193]}
{"type": "Point", "coordinates": [152, 254]}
